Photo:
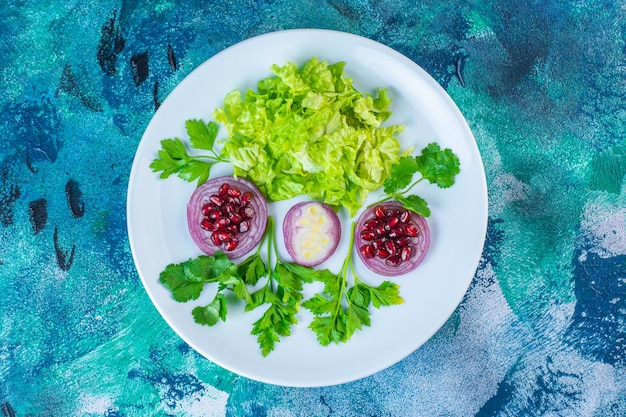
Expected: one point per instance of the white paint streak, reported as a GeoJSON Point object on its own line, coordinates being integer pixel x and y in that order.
{"type": "Point", "coordinates": [604, 224]}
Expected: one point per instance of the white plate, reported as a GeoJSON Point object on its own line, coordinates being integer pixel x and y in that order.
{"type": "Point", "coordinates": [158, 232]}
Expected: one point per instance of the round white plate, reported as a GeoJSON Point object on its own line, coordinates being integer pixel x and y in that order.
{"type": "Point", "coordinates": [157, 218]}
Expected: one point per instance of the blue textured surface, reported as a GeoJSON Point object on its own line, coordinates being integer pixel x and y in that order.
{"type": "Point", "coordinates": [542, 329]}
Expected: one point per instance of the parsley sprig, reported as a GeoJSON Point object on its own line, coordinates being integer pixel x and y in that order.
{"type": "Point", "coordinates": [435, 165]}
{"type": "Point", "coordinates": [281, 293]}
{"type": "Point", "coordinates": [175, 159]}
{"type": "Point", "coordinates": [341, 309]}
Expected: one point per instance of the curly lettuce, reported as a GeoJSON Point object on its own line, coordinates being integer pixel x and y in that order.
{"type": "Point", "coordinates": [308, 130]}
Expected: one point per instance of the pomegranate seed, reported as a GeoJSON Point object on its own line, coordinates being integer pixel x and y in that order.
{"type": "Point", "coordinates": [393, 213]}
{"type": "Point", "coordinates": [368, 235]}
{"type": "Point", "coordinates": [380, 230]}
{"type": "Point", "coordinates": [378, 243]}
{"type": "Point", "coordinates": [234, 200]}
{"type": "Point", "coordinates": [247, 212]}
{"type": "Point", "coordinates": [207, 208]}
{"type": "Point", "coordinates": [222, 222]}
{"type": "Point", "coordinates": [247, 197]}
{"type": "Point", "coordinates": [231, 244]}
{"type": "Point", "coordinates": [382, 253]}
{"type": "Point", "coordinates": [235, 217]}
{"type": "Point", "coordinates": [406, 253]}
{"type": "Point", "coordinates": [214, 215]}
{"type": "Point", "coordinates": [244, 226]}
{"type": "Point", "coordinates": [234, 192]}
{"type": "Point", "coordinates": [229, 209]}
{"type": "Point", "coordinates": [215, 238]}
{"type": "Point", "coordinates": [217, 200]}
{"type": "Point", "coordinates": [233, 228]}
{"type": "Point", "coordinates": [390, 246]}
{"type": "Point", "coordinates": [411, 230]}
{"type": "Point", "coordinates": [224, 235]}
{"type": "Point", "coordinates": [405, 216]}
{"type": "Point", "coordinates": [206, 224]}
{"type": "Point", "coordinates": [368, 251]}
{"type": "Point", "coordinates": [396, 232]}
{"type": "Point", "coordinates": [394, 221]}
{"type": "Point", "coordinates": [393, 261]}
{"type": "Point", "coordinates": [224, 189]}
{"type": "Point", "coordinates": [371, 224]}
{"type": "Point", "coordinates": [380, 213]}
{"type": "Point", "coordinates": [403, 241]}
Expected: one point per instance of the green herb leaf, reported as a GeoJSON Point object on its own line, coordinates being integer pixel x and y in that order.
{"type": "Point", "coordinates": [386, 294]}
{"type": "Point", "coordinates": [414, 203]}
{"type": "Point", "coordinates": [276, 321]}
{"type": "Point", "coordinates": [201, 135]}
{"type": "Point", "coordinates": [401, 175]}
{"type": "Point", "coordinates": [438, 166]}
{"type": "Point", "coordinates": [252, 269]}
{"type": "Point", "coordinates": [211, 313]}
{"type": "Point", "coordinates": [184, 287]}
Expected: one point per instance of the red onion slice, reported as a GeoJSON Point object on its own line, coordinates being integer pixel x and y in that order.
{"type": "Point", "coordinates": [391, 240]}
{"type": "Point", "coordinates": [227, 214]}
{"type": "Point", "coordinates": [312, 232]}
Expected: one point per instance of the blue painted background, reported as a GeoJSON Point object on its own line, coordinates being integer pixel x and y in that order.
{"type": "Point", "coordinates": [542, 329]}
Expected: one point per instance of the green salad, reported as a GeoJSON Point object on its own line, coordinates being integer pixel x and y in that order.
{"type": "Point", "coordinates": [309, 131]}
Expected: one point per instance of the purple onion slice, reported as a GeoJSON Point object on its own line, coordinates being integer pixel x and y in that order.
{"type": "Point", "coordinates": [390, 239]}
{"type": "Point", "coordinates": [312, 232]}
{"type": "Point", "coordinates": [227, 214]}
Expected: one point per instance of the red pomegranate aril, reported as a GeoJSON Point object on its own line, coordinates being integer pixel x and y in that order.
{"type": "Point", "coordinates": [215, 238]}
{"type": "Point", "coordinates": [246, 197]}
{"type": "Point", "coordinates": [224, 189]}
{"type": "Point", "coordinates": [235, 217]}
{"type": "Point", "coordinates": [406, 253]}
{"type": "Point", "coordinates": [247, 212]}
{"type": "Point", "coordinates": [381, 230]}
{"type": "Point", "coordinates": [216, 199]}
{"type": "Point", "coordinates": [233, 228]}
{"type": "Point", "coordinates": [207, 208]}
{"type": "Point", "coordinates": [222, 222]}
{"type": "Point", "coordinates": [393, 260]}
{"type": "Point", "coordinates": [368, 235]}
{"type": "Point", "coordinates": [405, 216]}
{"type": "Point", "coordinates": [396, 232]}
{"type": "Point", "coordinates": [390, 246]}
{"type": "Point", "coordinates": [231, 244]}
{"type": "Point", "coordinates": [411, 230]}
{"type": "Point", "coordinates": [244, 226]}
{"type": "Point", "coordinates": [378, 243]}
{"type": "Point", "coordinates": [214, 215]}
{"type": "Point", "coordinates": [371, 224]}
{"type": "Point", "coordinates": [403, 241]}
{"type": "Point", "coordinates": [234, 192]}
{"type": "Point", "coordinates": [394, 221]}
{"type": "Point", "coordinates": [382, 253]}
{"type": "Point", "coordinates": [206, 224]}
{"type": "Point", "coordinates": [380, 213]}
{"type": "Point", "coordinates": [368, 251]}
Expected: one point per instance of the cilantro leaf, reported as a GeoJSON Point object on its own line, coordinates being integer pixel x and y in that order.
{"type": "Point", "coordinates": [438, 166]}
{"type": "Point", "coordinates": [401, 175]}
{"type": "Point", "coordinates": [211, 313]}
{"type": "Point", "coordinates": [414, 203]}
{"type": "Point", "coordinates": [183, 286]}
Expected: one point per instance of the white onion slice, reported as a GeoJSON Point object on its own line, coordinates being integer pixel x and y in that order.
{"type": "Point", "coordinates": [312, 232]}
